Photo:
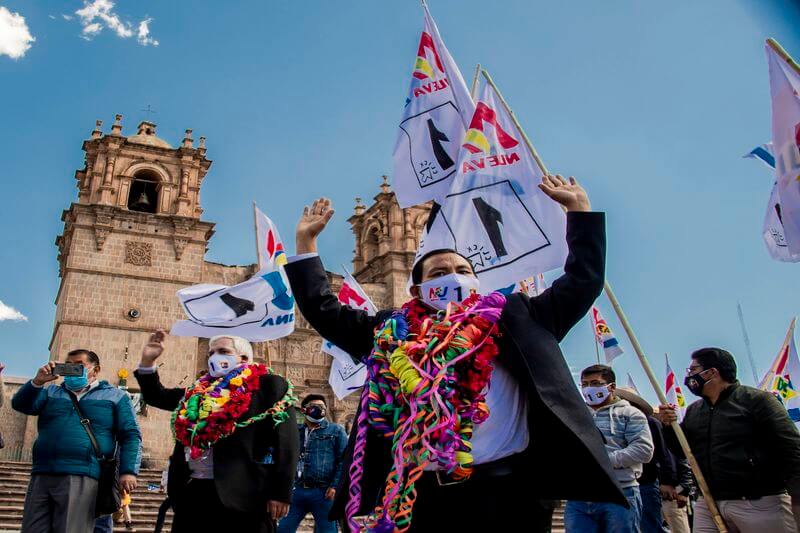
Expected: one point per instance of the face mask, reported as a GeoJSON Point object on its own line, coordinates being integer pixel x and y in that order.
{"type": "Point", "coordinates": [440, 291]}
{"type": "Point", "coordinates": [595, 395]}
{"type": "Point", "coordinates": [220, 364]}
{"type": "Point", "coordinates": [76, 382]}
{"type": "Point", "coordinates": [695, 383]}
{"type": "Point", "coordinates": [315, 414]}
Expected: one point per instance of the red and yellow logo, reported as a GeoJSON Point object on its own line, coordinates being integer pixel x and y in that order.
{"type": "Point", "coordinates": [476, 140]}
{"type": "Point", "coordinates": [428, 65]}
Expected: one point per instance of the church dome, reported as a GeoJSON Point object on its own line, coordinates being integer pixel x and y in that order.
{"type": "Point", "coordinates": [147, 136]}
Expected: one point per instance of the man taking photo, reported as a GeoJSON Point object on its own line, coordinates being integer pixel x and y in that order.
{"type": "Point", "coordinates": [63, 488]}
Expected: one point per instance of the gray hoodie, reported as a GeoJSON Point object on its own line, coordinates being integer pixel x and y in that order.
{"type": "Point", "coordinates": [628, 440]}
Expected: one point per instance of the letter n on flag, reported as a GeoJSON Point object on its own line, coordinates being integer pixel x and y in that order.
{"type": "Point", "coordinates": [347, 374]}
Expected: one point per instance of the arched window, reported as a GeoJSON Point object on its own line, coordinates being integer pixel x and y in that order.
{"type": "Point", "coordinates": [143, 194]}
{"type": "Point", "coordinates": [370, 243]}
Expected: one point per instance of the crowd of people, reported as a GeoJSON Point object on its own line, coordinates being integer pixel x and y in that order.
{"type": "Point", "coordinates": [469, 421]}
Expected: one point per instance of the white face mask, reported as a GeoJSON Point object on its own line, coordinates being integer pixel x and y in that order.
{"type": "Point", "coordinates": [220, 364]}
{"type": "Point", "coordinates": [438, 292]}
{"type": "Point", "coordinates": [595, 395]}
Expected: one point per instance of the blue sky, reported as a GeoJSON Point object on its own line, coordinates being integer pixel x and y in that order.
{"type": "Point", "coordinates": [651, 105]}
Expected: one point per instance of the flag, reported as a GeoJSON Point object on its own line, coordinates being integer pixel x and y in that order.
{"type": "Point", "coordinates": [346, 374]}
{"type": "Point", "coordinates": [772, 230]}
{"type": "Point", "coordinates": [532, 286]}
{"type": "Point", "coordinates": [632, 385]}
{"type": "Point", "coordinates": [783, 377]}
{"type": "Point", "coordinates": [495, 214]}
{"type": "Point", "coordinates": [269, 244]}
{"type": "Point", "coordinates": [762, 153]}
{"type": "Point", "coordinates": [437, 111]}
{"type": "Point", "coordinates": [605, 336]}
{"type": "Point", "coordinates": [784, 82]}
{"type": "Point", "coordinates": [673, 391]}
{"type": "Point", "coordinates": [259, 309]}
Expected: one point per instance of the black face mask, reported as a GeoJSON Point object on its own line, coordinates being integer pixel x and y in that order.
{"type": "Point", "coordinates": [315, 412]}
{"type": "Point", "coordinates": [696, 382]}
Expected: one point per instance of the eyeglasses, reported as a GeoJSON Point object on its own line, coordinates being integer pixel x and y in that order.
{"type": "Point", "coordinates": [694, 369]}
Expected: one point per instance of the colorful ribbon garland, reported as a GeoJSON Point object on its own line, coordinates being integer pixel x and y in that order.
{"type": "Point", "coordinates": [211, 409]}
{"type": "Point", "coordinates": [426, 387]}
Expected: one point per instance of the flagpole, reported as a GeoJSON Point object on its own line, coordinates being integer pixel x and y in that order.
{"type": "Point", "coordinates": [594, 336]}
{"type": "Point", "coordinates": [475, 81]}
{"type": "Point", "coordinates": [783, 53]}
{"type": "Point", "coordinates": [255, 232]}
{"type": "Point", "coordinates": [747, 344]}
{"type": "Point", "coordinates": [676, 427]}
{"type": "Point", "coordinates": [528, 142]}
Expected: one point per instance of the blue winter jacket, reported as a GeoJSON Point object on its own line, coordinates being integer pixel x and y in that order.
{"type": "Point", "coordinates": [63, 447]}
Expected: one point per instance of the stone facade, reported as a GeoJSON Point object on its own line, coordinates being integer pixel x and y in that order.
{"type": "Point", "coordinates": [135, 236]}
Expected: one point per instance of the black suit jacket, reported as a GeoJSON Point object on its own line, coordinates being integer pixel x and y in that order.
{"type": "Point", "coordinates": [566, 457]}
{"type": "Point", "coordinates": [243, 482]}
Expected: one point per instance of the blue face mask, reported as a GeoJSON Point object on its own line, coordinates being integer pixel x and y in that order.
{"type": "Point", "coordinates": [76, 382]}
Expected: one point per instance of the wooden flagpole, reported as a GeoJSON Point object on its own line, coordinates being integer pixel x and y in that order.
{"type": "Point", "coordinates": [772, 43]}
{"type": "Point", "coordinates": [528, 142]}
{"type": "Point", "coordinates": [701, 480]}
{"type": "Point", "coordinates": [255, 232]}
{"type": "Point", "coordinates": [474, 87]}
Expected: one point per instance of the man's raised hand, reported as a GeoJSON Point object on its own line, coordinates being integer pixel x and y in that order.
{"type": "Point", "coordinates": [45, 374]}
{"type": "Point", "coordinates": [311, 224]}
{"type": "Point", "coordinates": [153, 349]}
{"type": "Point", "coordinates": [567, 193]}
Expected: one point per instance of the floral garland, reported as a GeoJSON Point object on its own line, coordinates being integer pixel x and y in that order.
{"type": "Point", "coordinates": [425, 390]}
{"type": "Point", "coordinates": [210, 410]}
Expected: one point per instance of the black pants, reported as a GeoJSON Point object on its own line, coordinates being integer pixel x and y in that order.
{"type": "Point", "coordinates": [200, 509]}
{"type": "Point", "coordinates": [493, 504]}
{"type": "Point", "coordinates": [162, 514]}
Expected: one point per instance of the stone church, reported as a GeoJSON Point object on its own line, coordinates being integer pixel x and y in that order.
{"type": "Point", "coordinates": [136, 235]}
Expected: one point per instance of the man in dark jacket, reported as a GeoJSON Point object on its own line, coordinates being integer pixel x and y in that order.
{"type": "Point", "coordinates": [543, 439]}
{"type": "Point", "coordinates": [319, 470]}
{"type": "Point", "coordinates": [243, 481]}
{"type": "Point", "coordinates": [747, 447]}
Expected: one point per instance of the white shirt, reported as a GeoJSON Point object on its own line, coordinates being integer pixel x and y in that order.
{"type": "Point", "coordinates": [505, 432]}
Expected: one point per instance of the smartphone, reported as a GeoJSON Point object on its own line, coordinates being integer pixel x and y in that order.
{"type": "Point", "coordinates": [68, 369]}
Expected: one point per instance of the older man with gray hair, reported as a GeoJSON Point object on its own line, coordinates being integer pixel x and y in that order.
{"type": "Point", "coordinates": [236, 446]}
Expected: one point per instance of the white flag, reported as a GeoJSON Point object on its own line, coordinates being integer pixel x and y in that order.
{"type": "Point", "coordinates": [259, 309]}
{"type": "Point", "coordinates": [673, 391]}
{"type": "Point", "coordinates": [784, 82]}
{"type": "Point", "coordinates": [347, 375]}
{"type": "Point", "coordinates": [783, 377]}
{"type": "Point", "coordinates": [773, 231]}
{"type": "Point", "coordinates": [605, 336]}
{"type": "Point", "coordinates": [437, 111]}
{"type": "Point", "coordinates": [632, 385]}
{"type": "Point", "coordinates": [495, 215]}
{"type": "Point", "coordinates": [270, 245]}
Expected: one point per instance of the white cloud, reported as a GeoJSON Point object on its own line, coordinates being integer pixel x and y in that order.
{"type": "Point", "coordinates": [9, 313]}
{"type": "Point", "coordinates": [95, 15]}
{"type": "Point", "coordinates": [15, 37]}
{"type": "Point", "coordinates": [66, 17]}
{"type": "Point", "coordinates": [143, 36]}
{"type": "Point", "coordinates": [51, 17]}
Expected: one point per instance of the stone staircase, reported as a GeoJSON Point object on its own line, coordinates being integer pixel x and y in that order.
{"type": "Point", "coordinates": [14, 477]}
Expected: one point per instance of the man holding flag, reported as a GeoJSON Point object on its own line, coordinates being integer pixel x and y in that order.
{"type": "Point", "coordinates": [443, 465]}
{"type": "Point", "coordinates": [746, 445]}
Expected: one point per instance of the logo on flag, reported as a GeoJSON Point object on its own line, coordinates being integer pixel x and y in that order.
{"type": "Point", "coordinates": [605, 337]}
{"type": "Point", "coordinates": [437, 109]}
{"type": "Point", "coordinates": [783, 375]}
{"type": "Point", "coordinates": [495, 215]}
{"type": "Point", "coordinates": [475, 140]}
{"type": "Point", "coordinates": [426, 57]}
{"type": "Point", "coordinates": [259, 309]}
{"type": "Point", "coordinates": [674, 392]}
{"type": "Point", "coordinates": [346, 373]}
